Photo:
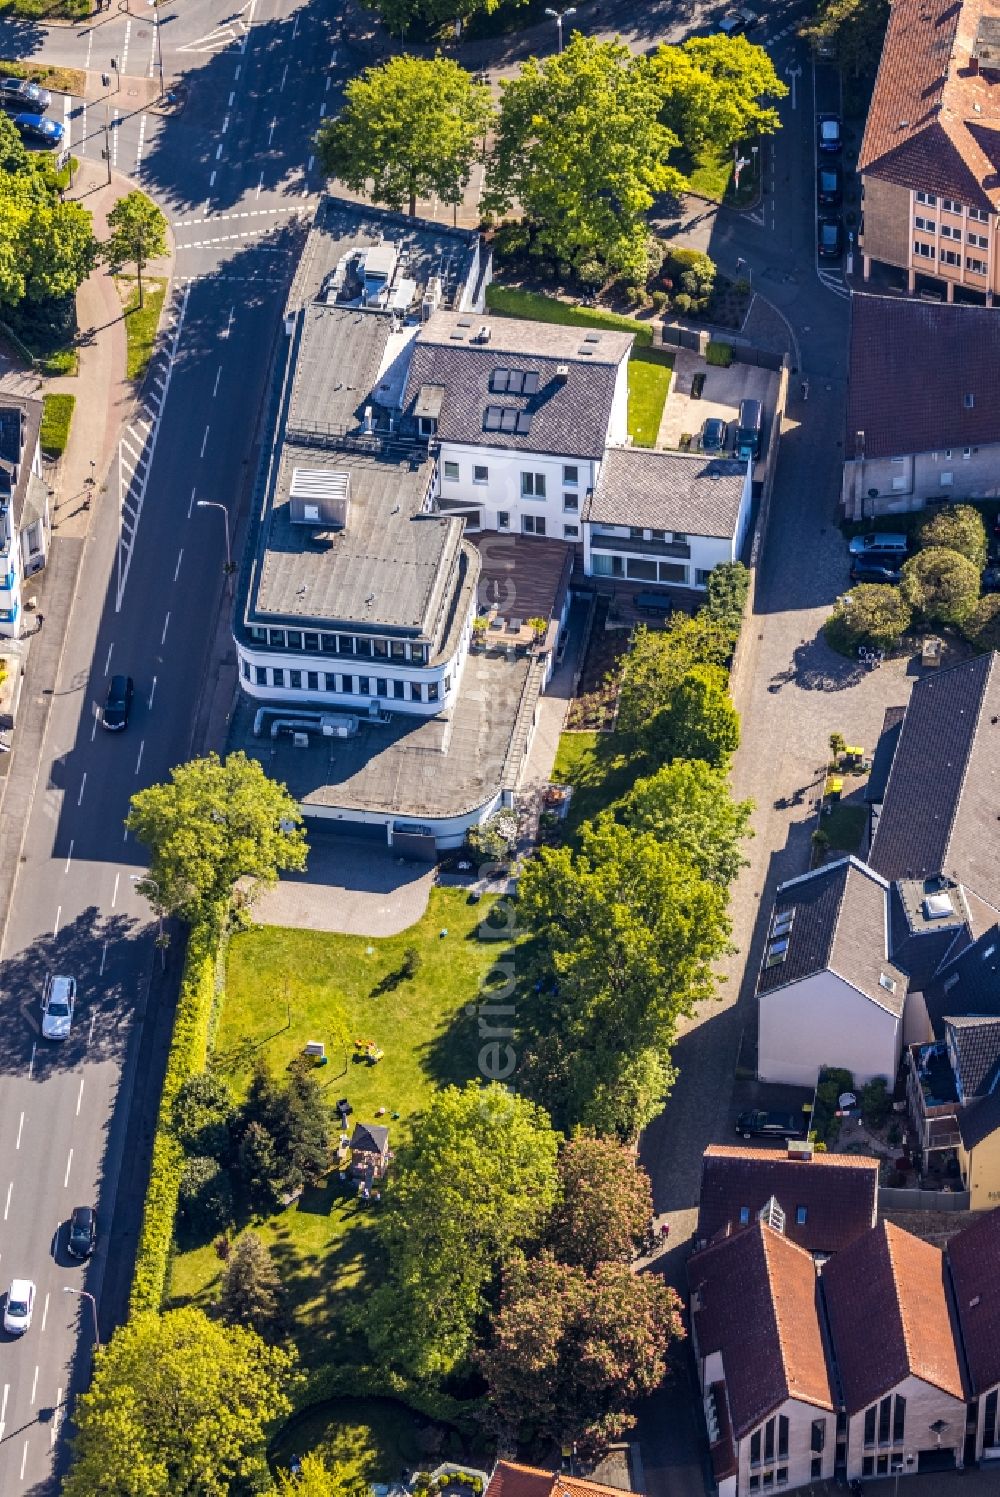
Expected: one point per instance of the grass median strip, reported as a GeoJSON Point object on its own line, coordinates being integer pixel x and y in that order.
{"type": "Point", "coordinates": [57, 415]}
{"type": "Point", "coordinates": [61, 80]}
{"type": "Point", "coordinates": [142, 322]}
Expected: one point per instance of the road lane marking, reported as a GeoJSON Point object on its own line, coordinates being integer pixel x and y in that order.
{"type": "Point", "coordinates": [142, 136]}
{"type": "Point", "coordinates": [3, 1408]}
{"type": "Point", "coordinates": [225, 124]}
{"type": "Point", "coordinates": [295, 28]}
{"type": "Point", "coordinates": [270, 133]}
{"type": "Point", "coordinates": [128, 32]}
{"type": "Point", "coordinates": [79, 1097]}
{"type": "Point", "coordinates": [45, 1316]}
{"type": "Point", "coordinates": [90, 46]}
{"type": "Point", "coordinates": [284, 76]}
{"type": "Point", "coordinates": [34, 1387]}
{"type": "Point", "coordinates": [31, 1063]}
{"type": "Point", "coordinates": [114, 893]}
{"type": "Point", "coordinates": [139, 760]}
{"type": "Point", "coordinates": [55, 928]}
{"type": "Point", "coordinates": [83, 786]}
{"type": "Point", "coordinates": [215, 387]}
{"type": "Point", "coordinates": [6, 1209]}
{"type": "Point", "coordinates": [309, 163]}
{"type": "Point", "coordinates": [191, 503]}
{"type": "Point", "coordinates": [93, 731]}
{"type": "Point", "coordinates": [56, 1417]}
{"type": "Point", "coordinates": [232, 96]}
{"type": "Point", "coordinates": [104, 957]}
{"type": "Point", "coordinates": [114, 139]}
{"type": "Point", "coordinates": [20, 1126]}
{"type": "Point", "coordinates": [322, 110]}
{"type": "Point", "coordinates": [229, 322]}
{"type": "Point", "coordinates": [177, 568]}
{"type": "Point", "coordinates": [238, 67]}
{"type": "Point", "coordinates": [152, 48]}
{"type": "Point", "coordinates": [218, 150]}
{"type": "Point", "coordinates": [260, 185]}
{"type": "Point", "coordinates": [69, 856]}
{"type": "Point", "coordinates": [69, 1165]}
{"type": "Point", "coordinates": [107, 663]}
{"type": "Point", "coordinates": [93, 1021]}
{"type": "Point", "coordinates": [24, 1459]}
{"type": "Point", "coordinates": [204, 441]}
{"type": "Point", "coordinates": [166, 625]}
{"type": "Point", "coordinates": [153, 690]}
{"type": "Point", "coordinates": [329, 81]}
{"type": "Point", "coordinates": [211, 183]}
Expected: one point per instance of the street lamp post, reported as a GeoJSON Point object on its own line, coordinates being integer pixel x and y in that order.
{"type": "Point", "coordinates": [559, 16]}
{"type": "Point", "coordinates": [217, 504]}
{"type": "Point", "coordinates": [86, 1294]}
{"type": "Point", "coordinates": [140, 878]}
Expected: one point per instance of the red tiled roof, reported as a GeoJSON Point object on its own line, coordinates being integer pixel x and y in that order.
{"type": "Point", "coordinates": [512, 1480]}
{"type": "Point", "coordinates": [934, 119]}
{"type": "Point", "coordinates": [838, 1191]}
{"type": "Point", "coordinates": [754, 1300]}
{"type": "Point", "coordinates": [889, 1316]}
{"type": "Point", "coordinates": [974, 1256]}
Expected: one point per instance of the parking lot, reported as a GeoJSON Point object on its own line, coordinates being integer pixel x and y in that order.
{"type": "Point", "coordinates": [720, 397]}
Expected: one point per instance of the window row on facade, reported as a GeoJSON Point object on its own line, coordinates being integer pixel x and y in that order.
{"type": "Point", "coordinates": [949, 257]}
{"type": "Point", "coordinates": [949, 205]}
{"type": "Point", "coordinates": [533, 485]}
{"type": "Point", "coordinates": [645, 569]}
{"type": "Point", "coordinates": [282, 678]}
{"type": "Point", "coordinates": [363, 646]}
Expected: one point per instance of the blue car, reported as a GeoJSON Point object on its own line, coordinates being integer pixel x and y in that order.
{"type": "Point", "coordinates": [37, 127]}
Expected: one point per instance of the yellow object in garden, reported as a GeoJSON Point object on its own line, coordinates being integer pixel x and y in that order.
{"type": "Point", "coordinates": [834, 786]}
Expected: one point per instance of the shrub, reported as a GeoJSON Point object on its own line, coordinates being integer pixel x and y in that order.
{"type": "Point", "coordinates": [982, 627]}
{"type": "Point", "coordinates": [876, 1103]}
{"type": "Point", "coordinates": [683, 302]}
{"type": "Point", "coordinates": [659, 300]}
{"type": "Point", "coordinates": [941, 585]}
{"type": "Point", "coordinates": [188, 1053]}
{"type": "Point", "coordinates": [591, 273]}
{"type": "Point", "coordinates": [57, 415]}
{"type": "Point", "coordinates": [205, 1195]}
{"type": "Point", "coordinates": [693, 272]}
{"type": "Point", "coordinates": [719, 354]}
{"type": "Point", "coordinates": [959, 527]}
{"type": "Point", "coordinates": [872, 615]}
{"type": "Point", "coordinates": [728, 588]}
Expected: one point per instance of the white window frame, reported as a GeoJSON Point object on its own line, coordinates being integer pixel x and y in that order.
{"type": "Point", "coordinates": [451, 471]}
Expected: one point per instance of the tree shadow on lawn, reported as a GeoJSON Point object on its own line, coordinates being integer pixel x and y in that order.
{"type": "Point", "coordinates": [324, 1288]}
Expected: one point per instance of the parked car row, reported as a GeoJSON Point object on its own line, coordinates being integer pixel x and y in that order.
{"type": "Point", "coordinates": [829, 187]}
{"type": "Point", "coordinates": [743, 435]}
{"type": "Point", "coordinates": [879, 557]}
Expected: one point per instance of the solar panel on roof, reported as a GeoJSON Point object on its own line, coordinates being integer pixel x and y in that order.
{"type": "Point", "coordinates": [491, 418]}
{"type": "Point", "coordinates": [531, 383]}
{"type": "Point", "coordinates": [499, 379]}
{"type": "Point", "coordinates": [523, 423]}
{"type": "Point", "coordinates": [508, 421]}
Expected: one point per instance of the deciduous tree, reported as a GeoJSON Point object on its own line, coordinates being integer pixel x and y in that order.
{"type": "Point", "coordinates": [959, 527]}
{"type": "Point", "coordinates": [690, 804]}
{"type": "Point", "coordinates": [624, 934]}
{"type": "Point", "coordinates": [940, 585]}
{"type": "Point", "coordinates": [873, 615]}
{"type": "Point", "coordinates": [659, 659]}
{"type": "Point", "coordinates": [570, 1353]}
{"type": "Point", "coordinates": [216, 822]}
{"type": "Point", "coordinates": [204, 1114]}
{"type": "Point", "coordinates": [47, 248]}
{"type": "Point", "coordinates": [717, 90]}
{"type": "Point", "coordinates": [315, 1478]}
{"type": "Point", "coordinates": [179, 1405]}
{"type": "Point", "coordinates": [699, 721]}
{"type": "Point", "coordinates": [853, 30]}
{"type": "Point", "coordinates": [409, 129]}
{"type": "Point", "coordinates": [476, 1181]}
{"type": "Point", "coordinates": [580, 147]}
{"type": "Point", "coordinates": [605, 1204]}
{"type": "Point", "coordinates": [251, 1286]}
{"type": "Point", "coordinates": [138, 234]}
{"type": "Point", "coordinates": [982, 627]}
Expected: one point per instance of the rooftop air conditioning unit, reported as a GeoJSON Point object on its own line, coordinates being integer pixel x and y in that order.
{"type": "Point", "coordinates": [432, 298]}
{"type": "Point", "coordinates": [483, 336]}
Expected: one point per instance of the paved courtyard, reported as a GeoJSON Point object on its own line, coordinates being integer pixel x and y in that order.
{"type": "Point", "coordinates": [355, 886]}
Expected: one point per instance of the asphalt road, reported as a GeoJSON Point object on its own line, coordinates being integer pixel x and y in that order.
{"type": "Point", "coordinates": [231, 171]}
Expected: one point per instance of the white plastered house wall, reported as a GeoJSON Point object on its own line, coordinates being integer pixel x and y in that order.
{"type": "Point", "coordinates": [822, 1020]}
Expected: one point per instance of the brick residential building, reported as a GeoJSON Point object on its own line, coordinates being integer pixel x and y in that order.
{"type": "Point", "coordinates": [931, 150]}
{"type": "Point", "coordinates": [828, 1200]}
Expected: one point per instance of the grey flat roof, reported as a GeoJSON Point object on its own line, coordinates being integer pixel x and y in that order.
{"type": "Point", "coordinates": [413, 768]}
{"type": "Point", "coordinates": [668, 491]}
{"type": "Point", "coordinates": [20, 414]}
{"type": "Point", "coordinates": [385, 568]}
{"type": "Point", "coordinates": [568, 413]}
{"type": "Point", "coordinates": [339, 354]}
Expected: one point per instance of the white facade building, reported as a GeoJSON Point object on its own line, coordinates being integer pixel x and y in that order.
{"type": "Point", "coordinates": [24, 507]}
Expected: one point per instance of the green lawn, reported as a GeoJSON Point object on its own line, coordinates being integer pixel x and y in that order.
{"type": "Point", "coordinates": [286, 987]}
{"type": "Point", "coordinates": [372, 1439]}
{"type": "Point", "coordinates": [62, 80]}
{"type": "Point", "coordinates": [141, 322]}
{"type": "Point", "coordinates": [510, 301]}
{"type": "Point", "coordinates": [710, 174]}
{"type": "Point", "coordinates": [596, 768]}
{"type": "Point", "coordinates": [648, 382]}
{"type": "Point", "coordinates": [46, 10]}
{"type": "Point", "coordinates": [845, 825]}
{"type": "Point", "coordinates": [57, 414]}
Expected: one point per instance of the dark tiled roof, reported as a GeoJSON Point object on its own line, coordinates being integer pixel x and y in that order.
{"type": "Point", "coordinates": [899, 415]}
{"type": "Point", "coordinates": [920, 951]}
{"type": "Point", "coordinates": [973, 1256]}
{"type": "Point", "coordinates": [668, 491]}
{"type": "Point", "coordinates": [889, 1317]}
{"type": "Point", "coordinates": [942, 802]}
{"type": "Point", "coordinates": [840, 925]}
{"type": "Point", "coordinates": [569, 414]}
{"type": "Point", "coordinates": [967, 984]}
{"type": "Point", "coordinates": [882, 757]}
{"type": "Point", "coordinates": [976, 1042]}
{"type": "Point", "coordinates": [370, 1138]}
{"type": "Point", "coordinates": [839, 1193]}
{"type": "Point", "coordinates": [754, 1300]}
{"type": "Point", "coordinates": [932, 119]}
{"type": "Point", "coordinates": [979, 1120]}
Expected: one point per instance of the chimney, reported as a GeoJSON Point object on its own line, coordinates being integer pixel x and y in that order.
{"type": "Point", "coordinates": [973, 65]}
{"type": "Point", "coordinates": [562, 373]}
{"type": "Point", "coordinates": [799, 1148]}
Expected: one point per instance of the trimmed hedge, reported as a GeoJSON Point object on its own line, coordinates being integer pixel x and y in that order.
{"type": "Point", "coordinates": [188, 1054]}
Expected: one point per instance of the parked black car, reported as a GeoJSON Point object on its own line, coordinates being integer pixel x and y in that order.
{"type": "Point", "coordinates": [118, 704]}
{"type": "Point", "coordinates": [829, 185]}
{"type": "Point", "coordinates": [829, 136]}
{"type": "Point", "coordinates": [829, 239]}
{"type": "Point", "coordinates": [20, 93]}
{"type": "Point", "coordinates": [873, 570]}
{"type": "Point", "coordinates": [758, 1124]}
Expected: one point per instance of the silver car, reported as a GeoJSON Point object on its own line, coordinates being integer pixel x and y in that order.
{"type": "Point", "coordinates": [58, 1003]}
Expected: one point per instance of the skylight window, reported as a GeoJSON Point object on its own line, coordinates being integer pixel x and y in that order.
{"type": "Point", "coordinates": [514, 382]}
{"type": "Point", "coordinates": [506, 419]}
{"type": "Point", "coordinates": [885, 981]}
{"type": "Point", "coordinates": [783, 921]}
{"type": "Point", "coordinates": [777, 951]}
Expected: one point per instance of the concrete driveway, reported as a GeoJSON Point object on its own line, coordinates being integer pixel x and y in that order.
{"type": "Point", "coordinates": [351, 886]}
